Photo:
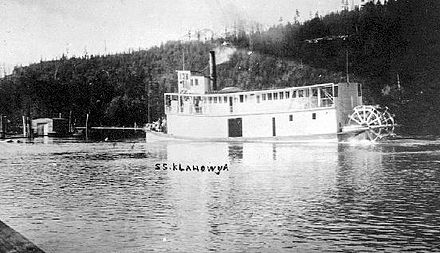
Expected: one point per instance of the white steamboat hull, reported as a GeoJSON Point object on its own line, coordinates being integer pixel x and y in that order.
{"type": "Point", "coordinates": [157, 136]}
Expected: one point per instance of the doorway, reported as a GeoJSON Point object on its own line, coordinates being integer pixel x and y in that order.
{"type": "Point", "coordinates": [235, 127]}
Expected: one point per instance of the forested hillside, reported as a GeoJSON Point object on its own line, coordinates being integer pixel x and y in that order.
{"type": "Point", "coordinates": [392, 48]}
{"type": "Point", "coordinates": [123, 89]}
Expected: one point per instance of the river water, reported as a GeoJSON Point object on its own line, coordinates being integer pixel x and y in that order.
{"type": "Point", "coordinates": [73, 196]}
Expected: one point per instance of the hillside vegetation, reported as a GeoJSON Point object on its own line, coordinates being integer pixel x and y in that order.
{"type": "Point", "coordinates": [123, 89]}
{"type": "Point", "coordinates": [392, 48]}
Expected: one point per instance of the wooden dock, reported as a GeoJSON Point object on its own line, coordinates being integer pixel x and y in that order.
{"type": "Point", "coordinates": [13, 242]}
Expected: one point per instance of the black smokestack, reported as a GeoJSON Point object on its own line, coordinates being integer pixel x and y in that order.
{"type": "Point", "coordinates": [212, 70]}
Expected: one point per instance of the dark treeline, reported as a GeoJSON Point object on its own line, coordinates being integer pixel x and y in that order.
{"type": "Point", "coordinates": [393, 47]}
{"type": "Point", "coordinates": [124, 89]}
{"type": "Point", "coordinates": [112, 89]}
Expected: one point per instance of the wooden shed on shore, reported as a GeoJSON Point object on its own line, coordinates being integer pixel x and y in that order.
{"type": "Point", "coordinates": [50, 127]}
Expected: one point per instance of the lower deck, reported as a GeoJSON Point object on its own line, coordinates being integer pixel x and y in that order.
{"type": "Point", "coordinates": [317, 121]}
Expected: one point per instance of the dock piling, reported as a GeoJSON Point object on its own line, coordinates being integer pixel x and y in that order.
{"type": "Point", "coordinates": [2, 127]}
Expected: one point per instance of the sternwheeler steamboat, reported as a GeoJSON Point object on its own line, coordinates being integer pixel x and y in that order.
{"type": "Point", "coordinates": [326, 111]}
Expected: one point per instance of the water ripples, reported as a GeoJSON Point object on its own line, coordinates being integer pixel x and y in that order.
{"type": "Point", "coordinates": [108, 197]}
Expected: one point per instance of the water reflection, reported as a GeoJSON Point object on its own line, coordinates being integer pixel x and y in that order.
{"type": "Point", "coordinates": [70, 196]}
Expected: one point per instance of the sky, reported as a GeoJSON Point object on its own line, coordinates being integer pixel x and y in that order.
{"type": "Point", "coordinates": [34, 30]}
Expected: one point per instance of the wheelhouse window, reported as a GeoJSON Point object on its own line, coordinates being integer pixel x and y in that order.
{"type": "Point", "coordinates": [275, 96]}
{"type": "Point", "coordinates": [196, 81]}
{"type": "Point", "coordinates": [301, 93]}
{"type": "Point", "coordinates": [241, 98]}
{"type": "Point", "coordinates": [336, 91]}
{"type": "Point", "coordinates": [294, 94]}
{"type": "Point", "coordinates": [258, 98]}
{"type": "Point", "coordinates": [210, 100]}
{"type": "Point", "coordinates": [287, 94]}
{"type": "Point", "coordinates": [281, 95]}
{"type": "Point", "coordinates": [215, 100]}
{"type": "Point", "coordinates": [269, 96]}
{"type": "Point", "coordinates": [225, 99]}
{"type": "Point", "coordinates": [263, 96]}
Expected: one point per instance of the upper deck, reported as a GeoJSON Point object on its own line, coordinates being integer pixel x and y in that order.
{"type": "Point", "coordinates": [253, 102]}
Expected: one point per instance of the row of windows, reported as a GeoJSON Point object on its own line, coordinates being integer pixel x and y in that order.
{"type": "Point", "coordinates": [286, 94]}
{"type": "Point", "coordinates": [268, 96]}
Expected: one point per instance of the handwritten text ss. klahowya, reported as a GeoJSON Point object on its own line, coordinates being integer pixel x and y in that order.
{"type": "Point", "coordinates": [217, 169]}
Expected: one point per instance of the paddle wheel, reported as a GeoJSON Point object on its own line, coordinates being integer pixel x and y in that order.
{"type": "Point", "coordinates": [376, 122]}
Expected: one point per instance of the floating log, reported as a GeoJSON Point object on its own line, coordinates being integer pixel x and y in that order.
{"type": "Point", "coordinates": [12, 241]}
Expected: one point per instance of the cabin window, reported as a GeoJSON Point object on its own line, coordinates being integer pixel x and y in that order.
{"type": "Point", "coordinates": [192, 83]}
{"type": "Point", "coordinates": [281, 95]}
{"type": "Point", "coordinates": [294, 94]}
{"type": "Point", "coordinates": [196, 82]}
{"type": "Point", "coordinates": [245, 98]}
{"type": "Point", "coordinates": [336, 92]}
{"type": "Point", "coordinates": [215, 100]}
{"type": "Point", "coordinates": [290, 117]}
{"type": "Point", "coordinates": [269, 96]}
{"type": "Point", "coordinates": [263, 96]}
{"type": "Point", "coordinates": [307, 93]}
{"type": "Point", "coordinates": [258, 98]}
{"type": "Point", "coordinates": [314, 115]}
{"type": "Point", "coordinates": [314, 92]}
{"type": "Point", "coordinates": [359, 90]}
{"type": "Point", "coordinates": [210, 100]}
{"type": "Point", "coordinates": [241, 98]}
{"type": "Point", "coordinates": [301, 93]}
{"type": "Point", "coordinates": [225, 99]}
{"type": "Point", "coordinates": [275, 96]}
{"type": "Point", "coordinates": [287, 94]}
